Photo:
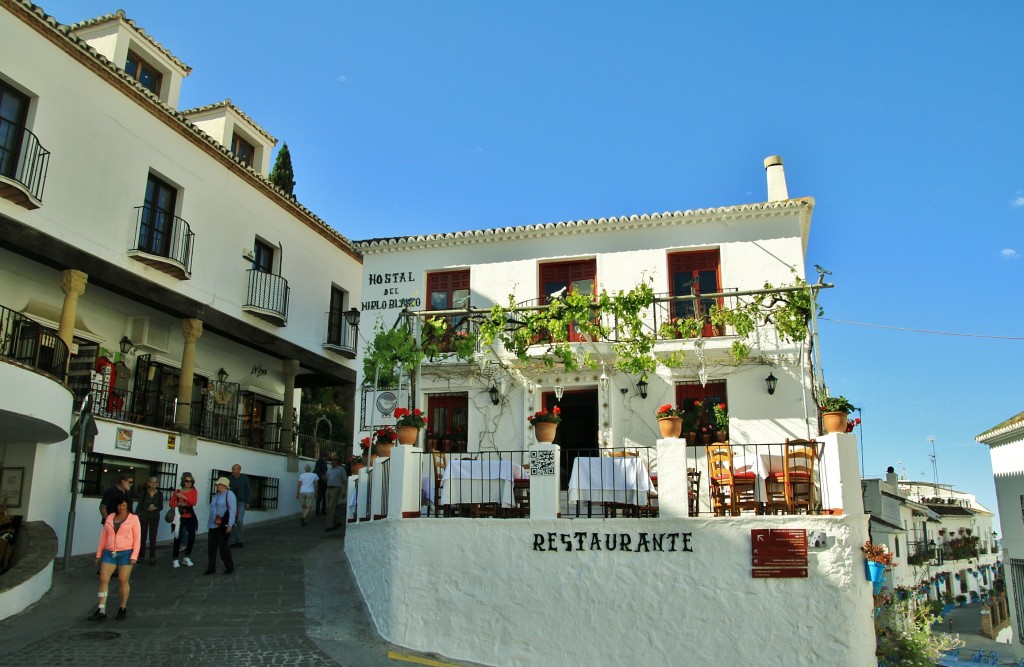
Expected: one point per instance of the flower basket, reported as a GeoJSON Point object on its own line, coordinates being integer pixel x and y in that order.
{"type": "Point", "coordinates": [407, 435]}
{"type": "Point", "coordinates": [670, 427]}
{"type": "Point", "coordinates": [876, 575]}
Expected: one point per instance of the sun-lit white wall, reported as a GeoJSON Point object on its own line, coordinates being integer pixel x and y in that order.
{"type": "Point", "coordinates": [432, 585]}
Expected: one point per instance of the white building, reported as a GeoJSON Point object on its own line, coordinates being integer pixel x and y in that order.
{"type": "Point", "coordinates": [1006, 447]}
{"type": "Point", "coordinates": [124, 220]}
{"type": "Point", "coordinates": [942, 538]}
{"type": "Point", "coordinates": [551, 582]}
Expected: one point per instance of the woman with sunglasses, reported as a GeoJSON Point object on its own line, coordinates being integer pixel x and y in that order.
{"type": "Point", "coordinates": [185, 500]}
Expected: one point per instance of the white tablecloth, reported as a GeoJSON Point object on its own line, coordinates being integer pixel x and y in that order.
{"type": "Point", "coordinates": [480, 482]}
{"type": "Point", "coordinates": [610, 479]}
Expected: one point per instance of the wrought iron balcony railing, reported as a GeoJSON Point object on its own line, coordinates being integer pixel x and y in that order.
{"type": "Point", "coordinates": [267, 296]}
{"type": "Point", "coordinates": [164, 241]}
{"type": "Point", "coordinates": [26, 166]}
{"type": "Point", "coordinates": [28, 342]}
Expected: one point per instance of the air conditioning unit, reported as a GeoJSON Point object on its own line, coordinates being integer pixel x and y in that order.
{"type": "Point", "coordinates": [248, 254]}
{"type": "Point", "coordinates": [149, 333]}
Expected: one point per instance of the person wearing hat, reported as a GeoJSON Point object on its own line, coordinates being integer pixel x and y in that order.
{"type": "Point", "coordinates": [223, 510]}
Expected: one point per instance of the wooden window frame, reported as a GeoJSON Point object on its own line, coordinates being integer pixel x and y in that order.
{"type": "Point", "coordinates": [713, 392]}
{"type": "Point", "coordinates": [139, 65]}
{"type": "Point", "coordinates": [242, 149]}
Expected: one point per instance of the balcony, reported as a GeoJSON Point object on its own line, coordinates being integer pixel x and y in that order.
{"type": "Point", "coordinates": [342, 332]}
{"type": "Point", "coordinates": [23, 171]}
{"type": "Point", "coordinates": [29, 343]}
{"type": "Point", "coordinates": [267, 297]}
{"type": "Point", "coordinates": [163, 241]}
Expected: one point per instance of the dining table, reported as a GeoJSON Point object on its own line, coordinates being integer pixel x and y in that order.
{"type": "Point", "coordinates": [476, 481]}
{"type": "Point", "coordinates": [621, 480]}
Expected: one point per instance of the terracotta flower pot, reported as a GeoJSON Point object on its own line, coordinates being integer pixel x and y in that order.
{"type": "Point", "coordinates": [670, 427]}
{"type": "Point", "coordinates": [407, 435]}
{"type": "Point", "coordinates": [384, 449]}
{"type": "Point", "coordinates": [545, 431]}
{"type": "Point", "coordinates": [721, 436]}
{"type": "Point", "coordinates": [834, 422]}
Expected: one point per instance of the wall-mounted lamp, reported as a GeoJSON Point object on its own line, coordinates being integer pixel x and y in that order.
{"type": "Point", "coordinates": [771, 381]}
{"type": "Point", "coordinates": [641, 388]}
{"type": "Point", "coordinates": [126, 345]}
{"type": "Point", "coordinates": [222, 376]}
{"type": "Point", "coordinates": [624, 391]}
{"type": "Point", "coordinates": [559, 390]}
{"type": "Point", "coordinates": [604, 381]}
{"type": "Point", "coordinates": [352, 316]}
{"type": "Point", "coordinates": [493, 391]}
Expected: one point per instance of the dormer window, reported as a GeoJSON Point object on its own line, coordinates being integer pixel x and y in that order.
{"type": "Point", "coordinates": [143, 72]}
{"type": "Point", "coordinates": [243, 150]}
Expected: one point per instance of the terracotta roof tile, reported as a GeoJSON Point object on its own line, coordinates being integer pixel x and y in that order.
{"type": "Point", "coordinates": [119, 15]}
{"type": "Point", "coordinates": [231, 105]}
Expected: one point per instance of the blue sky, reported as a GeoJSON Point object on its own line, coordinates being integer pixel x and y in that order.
{"type": "Point", "coordinates": [903, 120]}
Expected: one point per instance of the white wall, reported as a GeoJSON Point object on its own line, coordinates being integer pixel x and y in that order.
{"type": "Point", "coordinates": [438, 585]}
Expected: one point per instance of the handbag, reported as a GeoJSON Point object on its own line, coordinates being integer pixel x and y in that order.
{"type": "Point", "coordinates": [169, 515]}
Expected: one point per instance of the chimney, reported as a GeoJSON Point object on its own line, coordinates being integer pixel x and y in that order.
{"type": "Point", "coordinates": [890, 477]}
{"type": "Point", "coordinates": [776, 178]}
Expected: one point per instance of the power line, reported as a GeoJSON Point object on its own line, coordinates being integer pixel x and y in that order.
{"type": "Point", "coordinates": [924, 331]}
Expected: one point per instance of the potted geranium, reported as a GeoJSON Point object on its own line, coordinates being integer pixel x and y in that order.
{"type": "Point", "coordinates": [879, 561]}
{"type": "Point", "coordinates": [835, 411]}
{"type": "Point", "coordinates": [385, 438]}
{"type": "Point", "coordinates": [670, 420]}
{"type": "Point", "coordinates": [409, 424]}
{"type": "Point", "coordinates": [545, 423]}
{"type": "Point", "coordinates": [691, 421]}
{"type": "Point", "coordinates": [721, 422]}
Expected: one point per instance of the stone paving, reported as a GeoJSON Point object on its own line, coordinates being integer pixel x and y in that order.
{"type": "Point", "coordinates": [290, 601]}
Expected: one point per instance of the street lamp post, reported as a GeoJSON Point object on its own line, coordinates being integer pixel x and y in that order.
{"type": "Point", "coordinates": [935, 465]}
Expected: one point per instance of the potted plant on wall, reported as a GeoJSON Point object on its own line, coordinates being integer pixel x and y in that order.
{"type": "Point", "coordinates": [835, 412]}
{"type": "Point", "coordinates": [409, 424]}
{"type": "Point", "coordinates": [721, 422]}
{"type": "Point", "coordinates": [385, 438]}
{"type": "Point", "coordinates": [545, 424]}
{"type": "Point", "coordinates": [670, 421]}
{"type": "Point", "coordinates": [879, 561]}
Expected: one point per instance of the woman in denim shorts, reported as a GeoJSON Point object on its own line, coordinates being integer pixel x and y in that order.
{"type": "Point", "coordinates": [118, 550]}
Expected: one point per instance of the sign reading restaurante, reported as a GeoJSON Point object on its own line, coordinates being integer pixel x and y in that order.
{"type": "Point", "coordinates": [584, 541]}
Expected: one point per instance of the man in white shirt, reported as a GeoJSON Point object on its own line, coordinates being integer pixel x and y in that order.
{"type": "Point", "coordinates": [306, 491]}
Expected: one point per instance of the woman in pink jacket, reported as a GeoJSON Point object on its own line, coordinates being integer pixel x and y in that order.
{"type": "Point", "coordinates": [118, 549]}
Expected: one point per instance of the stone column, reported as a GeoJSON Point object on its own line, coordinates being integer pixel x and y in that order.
{"type": "Point", "coordinates": [191, 329]}
{"type": "Point", "coordinates": [72, 283]}
{"type": "Point", "coordinates": [290, 367]}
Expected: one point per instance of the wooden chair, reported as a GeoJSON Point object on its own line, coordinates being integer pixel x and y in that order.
{"type": "Point", "coordinates": [793, 488]}
{"type": "Point", "coordinates": [730, 491]}
{"type": "Point", "coordinates": [440, 462]}
{"type": "Point", "coordinates": [693, 490]}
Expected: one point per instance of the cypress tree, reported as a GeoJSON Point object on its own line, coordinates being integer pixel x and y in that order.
{"type": "Point", "coordinates": [282, 175]}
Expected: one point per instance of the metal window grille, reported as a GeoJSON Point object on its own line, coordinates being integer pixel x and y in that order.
{"type": "Point", "coordinates": [1017, 580]}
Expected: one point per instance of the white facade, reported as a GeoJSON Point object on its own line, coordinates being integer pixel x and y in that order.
{"type": "Point", "coordinates": [80, 258]}
{"type": "Point", "coordinates": [756, 243]}
{"type": "Point", "coordinates": [1006, 448]}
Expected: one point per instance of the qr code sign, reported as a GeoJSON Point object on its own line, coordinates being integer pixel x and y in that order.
{"type": "Point", "coordinates": [542, 462]}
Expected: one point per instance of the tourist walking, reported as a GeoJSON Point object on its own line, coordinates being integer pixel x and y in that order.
{"type": "Point", "coordinates": [113, 496]}
{"type": "Point", "coordinates": [185, 499]}
{"type": "Point", "coordinates": [337, 476]}
{"type": "Point", "coordinates": [118, 550]}
{"type": "Point", "coordinates": [321, 490]}
{"type": "Point", "coordinates": [306, 491]}
{"type": "Point", "coordinates": [222, 517]}
{"type": "Point", "coordinates": [243, 496]}
{"type": "Point", "coordinates": [149, 509]}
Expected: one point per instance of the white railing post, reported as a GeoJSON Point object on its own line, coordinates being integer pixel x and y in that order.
{"type": "Point", "coordinates": [545, 466]}
{"type": "Point", "coordinates": [840, 473]}
{"type": "Point", "coordinates": [673, 501]}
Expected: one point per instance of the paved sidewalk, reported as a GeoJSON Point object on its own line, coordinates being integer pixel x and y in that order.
{"type": "Point", "coordinates": [291, 601]}
{"type": "Point", "coordinates": [966, 622]}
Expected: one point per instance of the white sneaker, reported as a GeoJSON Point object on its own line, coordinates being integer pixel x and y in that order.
{"type": "Point", "coordinates": [187, 561]}
{"type": "Point", "coordinates": [175, 564]}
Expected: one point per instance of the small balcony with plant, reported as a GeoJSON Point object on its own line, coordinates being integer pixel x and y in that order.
{"type": "Point", "coordinates": [163, 241]}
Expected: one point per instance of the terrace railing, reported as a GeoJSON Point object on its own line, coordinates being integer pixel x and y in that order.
{"type": "Point", "coordinates": [28, 167]}
{"type": "Point", "coordinates": [160, 234]}
{"type": "Point", "coordinates": [267, 295]}
{"type": "Point", "coordinates": [27, 342]}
